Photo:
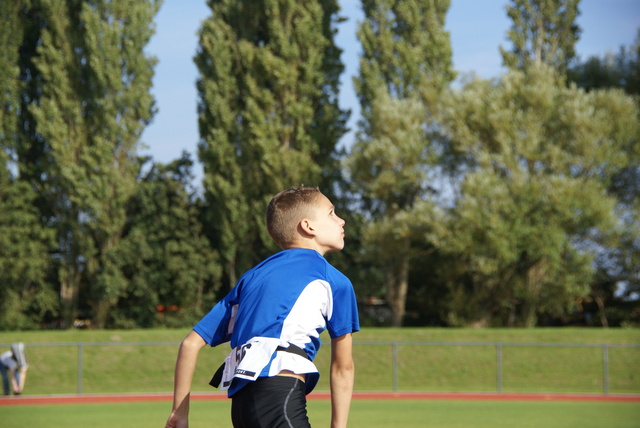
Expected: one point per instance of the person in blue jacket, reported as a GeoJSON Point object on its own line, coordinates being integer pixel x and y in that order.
{"type": "Point", "coordinates": [273, 318]}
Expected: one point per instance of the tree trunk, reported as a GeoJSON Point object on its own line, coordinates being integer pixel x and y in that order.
{"type": "Point", "coordinates": [536, 275]}
{"type": "Point", "coordinates": [601, 312]}
{"type": "Point", "coordinates": [397, 286]}
{"type": "Point", "coordinates": [102, 310]}
{"type": "Point", "coordinates": [69, 292]}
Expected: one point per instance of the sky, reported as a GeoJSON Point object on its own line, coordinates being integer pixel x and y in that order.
{"type": "Point", "coordinates": [477, 29]}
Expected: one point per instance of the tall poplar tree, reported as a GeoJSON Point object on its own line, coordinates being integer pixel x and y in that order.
{"type": "Point", "coordinates": [93, 103]}
{"type": "Point", "coordinates": [542, 32]}
{"type": "Point", "coordinates": [405, 66]}
{"type": "Point", "coordinates": [268, 114]}
{"type": "Point", "coordinates": [26, 296]}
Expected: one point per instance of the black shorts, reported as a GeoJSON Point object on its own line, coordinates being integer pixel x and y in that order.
{"type": "Point", "coordinates": [271, 402]}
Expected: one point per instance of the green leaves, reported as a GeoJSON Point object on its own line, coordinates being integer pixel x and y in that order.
{"type": "Point", "coordinates": [543, 32]}
{"type": "Point", "coordinates": [406, 51]}
{"type": "Point", "coordinates": [492, 203]}
{"type": "Point", "coordinates": [164, 254]}
{"type": "Point", "coordinates": [544, 155]}
{"type": "Point", "coordinates": [26, 295]}
{"type": "Point", "coordinates": [405, 66]}
{"type": "Point", "coordinates": [84, 103]}
{"type": "Point", "coordinates": [268, 115]}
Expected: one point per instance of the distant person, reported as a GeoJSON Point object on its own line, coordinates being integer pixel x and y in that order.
{"type": "Point", "coordinates": [273, 318]}
{"type": "Point", "coordinates": [13, 365]}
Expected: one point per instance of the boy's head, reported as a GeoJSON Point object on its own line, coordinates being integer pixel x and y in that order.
{"type": "Point", "coordinates": [303, 217]}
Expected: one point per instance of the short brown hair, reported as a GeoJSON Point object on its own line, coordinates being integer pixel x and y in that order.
{"type": "Point", "coordinates": [285, 211]}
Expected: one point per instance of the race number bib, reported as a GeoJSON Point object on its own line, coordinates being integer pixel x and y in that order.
{"type": "Point", "coordinates": [248, 360]}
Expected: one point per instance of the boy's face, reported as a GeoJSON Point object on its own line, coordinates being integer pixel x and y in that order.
{"type": "Point", "coordinates": [328, 226]}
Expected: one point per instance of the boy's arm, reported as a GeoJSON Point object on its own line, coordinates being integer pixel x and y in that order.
{"type": "Point", "coordinates": [342, 376]}
{"type": "Point", "coordinates": [185, 366]}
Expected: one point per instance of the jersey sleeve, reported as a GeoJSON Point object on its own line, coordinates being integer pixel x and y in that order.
{"type": "Point", "coordinates": [216, 327]}
{"type": "Point", "coordinates": [344, 317]}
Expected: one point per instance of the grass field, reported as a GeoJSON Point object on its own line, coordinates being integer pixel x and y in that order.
{"type": "Point", "coordinates": [364, 414]}
{"type": "Point", "coordinates": [110, 364]}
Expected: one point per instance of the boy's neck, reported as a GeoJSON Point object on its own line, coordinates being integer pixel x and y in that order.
{"type": "Point", "coordinates": [304, 246]}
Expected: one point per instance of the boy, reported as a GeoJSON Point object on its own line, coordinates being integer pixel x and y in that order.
{"type": "Point", "coordinates": [273, 318]}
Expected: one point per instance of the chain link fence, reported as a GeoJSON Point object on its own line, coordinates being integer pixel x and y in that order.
{"type": "Point", "coordinates": [502, 367]}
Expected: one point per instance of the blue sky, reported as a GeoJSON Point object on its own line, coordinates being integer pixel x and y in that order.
{"type": "Point", "coordinates": [477, 29]}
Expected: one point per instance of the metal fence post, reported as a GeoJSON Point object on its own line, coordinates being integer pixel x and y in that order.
{"type": "Point", "coordinates": [605, 369]}
{"type": "Point", "coordinates": [499, 367]}
{"type": "Point", "coordinates": [395, 366]}
{"type": "Point", "coordinates": [80, 368]}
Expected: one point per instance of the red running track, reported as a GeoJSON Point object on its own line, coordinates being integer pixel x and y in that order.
{"type": "Point", "coordinates": [25, 400]}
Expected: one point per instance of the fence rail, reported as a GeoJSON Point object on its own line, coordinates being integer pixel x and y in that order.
{"type": "Point", "coordinates": [499, 351]}
{"type": "Point", "coordinates": [397, 362]}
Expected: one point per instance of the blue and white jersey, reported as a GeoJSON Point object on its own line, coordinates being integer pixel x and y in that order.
{"type": "Point", "coordinates": [291, 297]}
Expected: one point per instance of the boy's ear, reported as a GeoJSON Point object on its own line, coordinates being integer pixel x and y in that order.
{"type": "Point", "coordinates": [307, 227]}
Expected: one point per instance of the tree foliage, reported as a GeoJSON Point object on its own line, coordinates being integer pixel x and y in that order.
{"type": "Point", "coordinates": [81, 102]}
{"type": "Point", "coordinates": [535, 195]}
{"type": "Point", "coordinates": [507, 202]}
{"type": "Point", "coordinates": [542, 32]}
{"type": "Point", "coordinates": [619, 70]}
{"type": "Point", "coordinates": [405, 66]}
{"type": "Point", "coordinates": [617, 283]}
{"type": "Point", "coordinates": [268, 114]}
{"type": "Point", "coordinates": [26, 295]}
{"type": "Point", "coordinates": [94, 104]}
{"type": "Point", "coordinates": [168, 262]}
{"type": "Point", "coordinates": [405, 51]}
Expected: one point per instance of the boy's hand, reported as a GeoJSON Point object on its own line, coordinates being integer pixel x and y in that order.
{"type": "Point", "coordinates": [175, 421]}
